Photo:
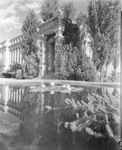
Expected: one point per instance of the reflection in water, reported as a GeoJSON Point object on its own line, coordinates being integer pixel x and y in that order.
{"type": "Point", "coordinates": [84, 120]}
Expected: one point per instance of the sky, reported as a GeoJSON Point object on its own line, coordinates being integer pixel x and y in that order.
{"type": "Point", "coordinates": [13, 12]}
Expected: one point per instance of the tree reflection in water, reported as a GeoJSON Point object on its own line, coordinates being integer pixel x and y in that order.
{"type": "Point", "coordinates": [29, 117]}
{"type": "Point", "coordinates": [81, 121]}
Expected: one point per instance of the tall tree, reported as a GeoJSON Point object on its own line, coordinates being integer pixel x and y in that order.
{"type": "Point", "coordinates": [49, 9]}
{"type": "Point", "coordinates": [115, 63]}
{"type": "Point", "coordinates": [73, 61]}
{"type": "Point", "coordinates": [103, 22]}
{"type": "Point", "coordinates": [29, 47]}
{"type": "Point", "coordinates": [74, 65]}
{"type": "Point", "coordinates": [85, 38]}
{"type": "Point", "coordinates": [69, 11]}
{"type": "Point", "coordinates": [71, 31]}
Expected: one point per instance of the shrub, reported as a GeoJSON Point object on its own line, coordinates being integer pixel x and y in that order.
{"type": "Point", "coordinates": [30, 68]}
{"type": "Point", "coordinates": [75, 65]}
{"type": "Point", "coordinates": [15, 67]}
{"type": "Point", "coordinates": [86, 71]}
{"type": "Point", "coordinates": [19, 74]}
{"type": "Point", "coordinates": [82, 117]}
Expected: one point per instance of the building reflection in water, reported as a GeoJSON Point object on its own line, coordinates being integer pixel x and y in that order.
{"type": "Point", "coordinates": [44, 113]}
{"type": "Point", "coordinates": [10, 97]}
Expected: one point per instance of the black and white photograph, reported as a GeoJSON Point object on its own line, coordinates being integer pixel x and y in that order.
{"type": "Point", "coordinates": [60, 75]}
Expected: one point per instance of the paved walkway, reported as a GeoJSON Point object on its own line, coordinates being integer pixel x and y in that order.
{"type": "Point", "coordinates": [71, 82]}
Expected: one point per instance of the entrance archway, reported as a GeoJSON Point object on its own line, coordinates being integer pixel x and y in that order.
{"type": "Point", "coordinates": [50, 54]}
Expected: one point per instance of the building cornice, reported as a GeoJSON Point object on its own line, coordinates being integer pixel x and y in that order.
{"type": "Point", "coordinates": [45, 27]}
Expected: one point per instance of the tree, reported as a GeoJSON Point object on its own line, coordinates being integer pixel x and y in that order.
{"type": "Point", "coordinates": [115, 63]}
{"type": "Point", "coordinates": [29, 30]}
{"type": "Point", "coordinates": [28, 117]}
{"type": "Point", "coordinates": [85, 39]}
{"type": "Point", "coordinates": [29, 47]}
{"type": "Point", "coordinates": [81, 20]}
{"type": "Point", "coordinates": [103, 21]}
{"type": "Point", "coordinates": [75, 65]}
{"type": "Point", "coordinates": [69, 11]}
{"type": "Point", "coordinates": [49, 9]}
{"type": "Point", "coordinates": [86, 70]}
{"type": "Point", "coordinates": [71, 31]}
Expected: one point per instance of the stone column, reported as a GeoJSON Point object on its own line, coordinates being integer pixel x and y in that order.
{"type": "Point", "coordinates": [23, 90]}
{"type": "Point", "coordinates": [19, 95]}
{"type": "Point", "coordinates": [58, 44]}
{"type": "Point", "coordinates": [42, 55]}
{"type": "Point", "coordinates": [7, 56]}
{"type": "Point", "coordinates": [6, 92]}
{"type": "Point", "coordinates": [6, 98]}
{"type": "Point", "coordinates": [19, 55]}
{"type": "Point", "coordinates": [15, 55]}
{"type": "Point", "coordinates": [11, 94]}
{"type": "Point", "coordinates": [20, 58]}
{"type": "Point", "coordinates": [42, 104]}
{"type": "Point", "coordinates": [12, 56]}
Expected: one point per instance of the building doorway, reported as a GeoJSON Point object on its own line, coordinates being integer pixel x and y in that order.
{"type": "Point", "coordinates": [50, 55]}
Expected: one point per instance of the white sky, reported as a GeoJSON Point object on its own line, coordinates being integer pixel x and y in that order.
{"type": "Point", "coordinates": [12, 14]}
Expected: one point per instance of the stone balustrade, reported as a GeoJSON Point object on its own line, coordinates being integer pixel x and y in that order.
{"type": "Point", "coordinates": [10, 98]}
{"type": "Point", "coordinates": [2, 44]}
{"type": "Point", "coordinates": [16, 40]}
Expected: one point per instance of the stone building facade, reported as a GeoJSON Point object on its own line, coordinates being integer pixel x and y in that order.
{"type": "Point", "coordinates": [49, 40]}
{"type": "Point", "coordinates": [10, 53]}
